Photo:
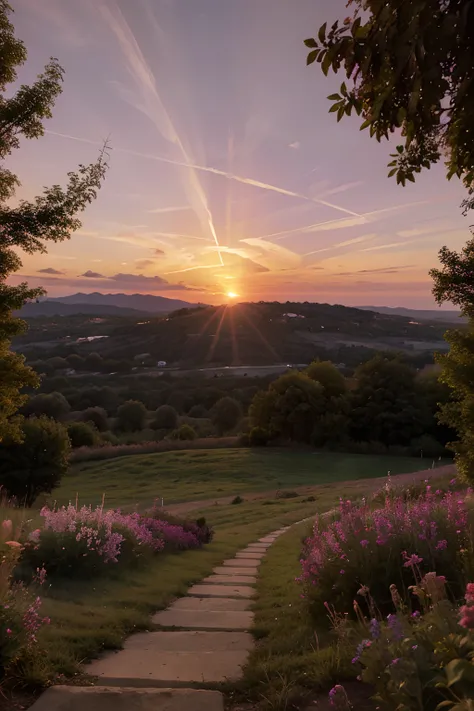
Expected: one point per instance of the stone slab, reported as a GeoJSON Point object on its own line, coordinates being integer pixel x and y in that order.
{"type": "Point", "coordinates": [268, 539]}
{"type": "Point", "coordinates": [241, 563]}
{"type": "Point", "coordinates": [102, 698]}
{"type": "Point", "coordinates": [210, 603]}
{"type": "Point", "coordinates": [230, 579]}
{"type": "Point", "coordinates": [228, 570]}
{"type": "Point", "coordinates": [249, 555]}
{"type": "Point", "coordinates": [200, 590]}
{"type": "Point", "coordinates": [176, 658]}
{"type": "Point", "coordinates": [204, 619]}
{"type": "Point", "coordinates": [257, 547]}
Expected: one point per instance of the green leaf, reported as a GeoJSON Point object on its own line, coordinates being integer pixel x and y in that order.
{"type": "Point", "coordinates": [326, 63]}
{"type": "Point", "coordinates": [399, 149]}
{"type": "Point", "coordinates": [411, 177]}
{"type": "Point", "coordinates": [340, 114]}
{"type": "Point", "coordinates": [343, 89]}
{"type": "Point", "coordinates": [322, 33]}
{"type": "Point", "coordinates": [312, 57]}
{"type": "Point", "coordinates": [392, 172]}
{"type": "Point", "coordinates": [335, 107]}
{"type": "Point", "coordinates": [366, 124]}
{"type": "Point", "coordinates": [334, 97]}
{"type": "Point", "coordinates": [311, 43]}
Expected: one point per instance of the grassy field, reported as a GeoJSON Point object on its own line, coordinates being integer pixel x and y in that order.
{"type": "Point", "coordinates": [204, 474]}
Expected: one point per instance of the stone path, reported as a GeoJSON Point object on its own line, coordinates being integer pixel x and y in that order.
{"type": "Point", "coordinates": [202, 638]}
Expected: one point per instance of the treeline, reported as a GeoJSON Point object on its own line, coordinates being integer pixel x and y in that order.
{"type": "Point", "coordinates": [386, 407]}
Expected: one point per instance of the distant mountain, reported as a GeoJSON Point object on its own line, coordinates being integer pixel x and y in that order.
{"type": "Point", "coordinates": [58, 308]}
{"type": "Point", "coordinates": [419, 314]}
{"type": "Point", "coordinates": [146, 303]}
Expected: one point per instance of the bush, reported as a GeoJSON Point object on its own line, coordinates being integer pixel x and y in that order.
{"type": "Point", "coordinates": [52, 405]}
{"type": "Point", "coordinates": [237, 500]}
{"type": "Point", "coordinates": [184, 432]}
{"type": "Point", "coordinates": [226, 413]}
{"type": "Point", "coordinates": [198, 411]}
{"type": "Point", "coordinates": [131, 416]}
{"type": "Point", "coordinates": [82, 434]}
{"type": "Point", "coordinates": [36, 465]}
{"type": "Point", "coordinates": [378, 547]}
{"type": "Point", "coordinates": [258, 437]}
{"type": "Point", "coordinates": [98, 417]}
{"type": "Point", "coordinates": [286, 494]}
{"type": "Point", "coordinates": [166, 418]}
{"type": "Point", "coordinates": [85, 542]}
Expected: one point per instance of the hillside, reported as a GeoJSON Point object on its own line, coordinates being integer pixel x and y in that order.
{"type": "Point", "coordinates": [419, 314]}
{"type": "Point", "coordinates": [58, 308]}
{"type": "Point", "coordinates": [244, 334]}
{"type": "Point", "coordinates": [147, 303]}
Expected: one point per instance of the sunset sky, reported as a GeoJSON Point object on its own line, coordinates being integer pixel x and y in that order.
{"type": "Point", "coordinates": [227, 174]}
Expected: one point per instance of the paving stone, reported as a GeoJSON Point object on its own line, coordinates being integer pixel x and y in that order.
{"type": "Point", "coordinates": [231, 579]}
{"type": "Point", "coordinates": [268, 539]}
{"type": "Point", "coordinates": [221, 591]}
{"type": "Point", "coordinates": [204, 619]}
{"type": "Point", "coordinates": [250, 556]}
{"type": "Point", "coordinates": [228, 570]}
{"type": "Point", "coordinates": [176, 658]}
{"type": "Point", "coordinates": [241, 563]}
{"type": "Point", "coordinates": [210, 603]}
{"type": "Point", "coordinates": [102, 698]}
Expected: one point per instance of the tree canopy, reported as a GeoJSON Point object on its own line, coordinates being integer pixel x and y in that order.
{"type": "Point", "coordinates": [27, 226]}
{"type": "Point", "coordinates": [410, 68]}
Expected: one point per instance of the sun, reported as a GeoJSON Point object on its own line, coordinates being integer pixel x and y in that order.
{"type": "Point", "coordinates": [232, 295]}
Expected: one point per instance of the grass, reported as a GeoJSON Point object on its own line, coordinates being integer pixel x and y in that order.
{"type": "Point", "coordinates": [194, 475]}
{"type": "Point", "coordinates": [289, 657]}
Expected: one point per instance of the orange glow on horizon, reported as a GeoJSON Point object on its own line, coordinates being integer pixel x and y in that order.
{"type": "Point", "coordinates": [232, 295]}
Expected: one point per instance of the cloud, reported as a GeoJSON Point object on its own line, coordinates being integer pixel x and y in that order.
{"type": "Point", "coordinates": [158, 252]}
{"type": "Point", "coordinates": [381, 270]}
{"type": "Point", "coordinates": [162, 210]}
{"type": "Point", "coordinates": [144, 263]}
{"type": "Point", "coordinates": [340, 189]}
{"type": "Point", "coordinates": [346, 243]}
{"type": "Point", "coordinates": [49, 270]}
{"type": "Point", "coordinates": [295, 145]}
{"type": "Point", "coordinates": [92, 275]}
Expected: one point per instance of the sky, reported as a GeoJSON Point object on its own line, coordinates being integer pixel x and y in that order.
{"type": "Point", "coordinates": [228, 177]}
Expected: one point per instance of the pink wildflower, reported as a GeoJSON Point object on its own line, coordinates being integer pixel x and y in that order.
{"type": "Point", "coordinates": [412, 560]}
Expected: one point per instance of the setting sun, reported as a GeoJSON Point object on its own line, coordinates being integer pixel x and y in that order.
{"type": "Point", "coordinates": [232, 295]}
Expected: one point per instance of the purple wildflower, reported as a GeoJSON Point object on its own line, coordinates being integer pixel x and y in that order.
{"type": "Point", "coordinates": [374, 627]}
{"type": "Point", "coordinates": [395, 626]}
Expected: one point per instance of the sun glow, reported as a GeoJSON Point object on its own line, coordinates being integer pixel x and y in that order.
{"type": "Point", "coordinates": [232, 295]}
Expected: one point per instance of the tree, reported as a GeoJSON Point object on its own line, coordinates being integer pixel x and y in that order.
{"type": "Point", "coordinates": [327, 375]}
{"type": "Point", "coordinates": [53, 405]}
{"type": "Point", "coordinates": [184, 432]}
{"type": "Point", "coordinates": [37, 464]}
{"type": "Point", "coordinates": [166, 418]}
{"type": "Point", "coordinates": [93, 362]}
{"type": "Point", "coordinates": [454, 282]}
{"type": "Point", "coordinates": [226, 413]}
{"type": "Point", "coordinates": [29, 224]}
{"type": "Point", "coordinates": [131, 416]}
{"type": "Point", "coordinates": [410, 65]}
{"type": "Point", "coordinates": [82, 434]}
{"type": "Point", "coordinates": [385, 406]}
{"type": "Point", "coordinates": [98, 417]}
{"type": "Point", "coordinates": [75, 361]}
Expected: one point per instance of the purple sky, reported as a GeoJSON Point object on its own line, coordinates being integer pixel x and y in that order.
{"type": "Point", "coordinates": [227, 173]}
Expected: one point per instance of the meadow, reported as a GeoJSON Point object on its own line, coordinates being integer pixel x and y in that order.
{"type": "Point", "coordinates": [211, 474]}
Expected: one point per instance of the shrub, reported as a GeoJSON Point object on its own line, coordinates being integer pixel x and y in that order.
{"type": "Point", "coordinates": [379, 547]}
{"type": "Point", "coordinates": [286, 494]}
{"type": "Point", "coordinates": [98, 417]}
{"type": "Point", "coordinates": [52, 405]}
{"type": "Point", "coordinates": [226, 413]}
{"type": "Point", "coordinates": [20, 617]}
{"type": "Point", "coordinates": [166, 418]}
{"type": "Point", "coordinates": [37, 464]}
{"type": "Point", "coordinates": [198, 411]}
{"type": "Point", "coordinates": [82, 434]}
{"type": "Point", "coordinates": [84, 542]}
{"type": "Point", "coordinates": [184, 432]}
{"type": "Point", "coordinates": [237, 500]}
{"type": "Point", "coordinates": [258, 437]}
{"type": "Point", "coordinates": [131, 416]}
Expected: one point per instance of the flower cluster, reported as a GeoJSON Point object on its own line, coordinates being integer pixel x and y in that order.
{"type": "Point", "coordinates": [388, 543]}
{"type": "Point", "coordinates": [467, 610]}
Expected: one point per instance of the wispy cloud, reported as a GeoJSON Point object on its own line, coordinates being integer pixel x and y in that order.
{"type": "Point", "coordinates": [92, 275]}
{"type": "Point", "coordinates": [346, 243]}
{"type": "Point", "coordinates": [163, 210]}
{"type": "Point", "coordinates": [50, 270]}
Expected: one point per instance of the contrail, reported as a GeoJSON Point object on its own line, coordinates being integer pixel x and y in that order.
{"type": "Point", "coordinates": [154, 108]}
{"type": "Point", "coordinates": [214, 171]}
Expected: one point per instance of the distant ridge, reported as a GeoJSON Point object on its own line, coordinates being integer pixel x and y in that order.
{"type": "Point", "coordinates": [140, 302]}
{"type": "Point", "coordinates": [57, 308]}
{"type": "Point", "coordinates": [421, 314]}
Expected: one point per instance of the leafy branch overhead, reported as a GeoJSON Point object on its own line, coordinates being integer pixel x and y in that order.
{"type": "Point", "coordinates": [410, 65]}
